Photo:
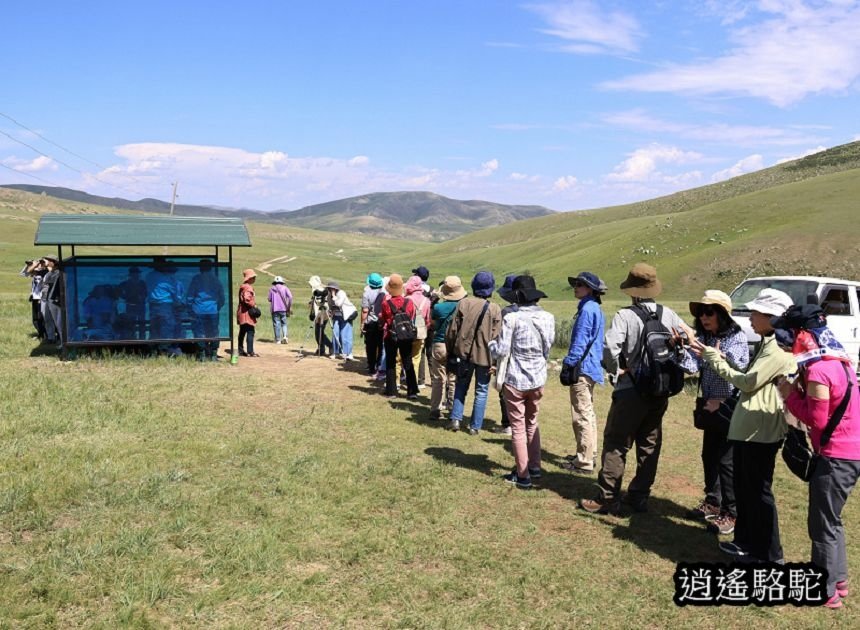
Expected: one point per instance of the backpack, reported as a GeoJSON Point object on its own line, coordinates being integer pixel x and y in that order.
{"type": "Point", "coordinates": [371, 322]}
{"type": "Point", "coordinates": [420, 323]}
{"type": "Point", "coordinates": [402, 326]}
{"type": "Point", "coordinates": [656, 375]}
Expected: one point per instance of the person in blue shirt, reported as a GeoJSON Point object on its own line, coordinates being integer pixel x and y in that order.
{"type": "Point", "coordinates": [585, 353]}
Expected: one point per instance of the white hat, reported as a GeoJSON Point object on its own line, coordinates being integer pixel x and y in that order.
{"type": "Point", "coordinates": [770, 302]}
{"type": "Point", "coordinates": [278, 280]}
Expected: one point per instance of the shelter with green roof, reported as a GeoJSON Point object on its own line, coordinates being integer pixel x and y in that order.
{"type": "Point", "coordinates": [174, 301]}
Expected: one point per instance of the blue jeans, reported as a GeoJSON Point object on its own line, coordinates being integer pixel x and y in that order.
{"type": "Point", "coordinates": [279, 320]}
{"type": "Point", "coordinates": [341, 331]}
{"type": "Point", "coordinates": [482, 386]}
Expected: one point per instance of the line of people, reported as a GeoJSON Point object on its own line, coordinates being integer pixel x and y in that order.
{"type": "Point", "coordinates": [797, 373]}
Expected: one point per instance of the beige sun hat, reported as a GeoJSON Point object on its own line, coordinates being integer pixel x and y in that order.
{"type": "Point", "coordinates": [452, 289]}
{"type": "Point", "coordinates": [714, 297]}
{"type": "Point", "coordinates": [395, 285]}
{"type": "Point", "coordinates": [247, 274]}
{"type": "Point", "coordinates": [770, 302]}
{"type": "Point", "coordinates": [642, 282]}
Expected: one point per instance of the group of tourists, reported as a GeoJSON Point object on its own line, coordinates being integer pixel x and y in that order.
{"type": "Point", "coordinates": [798, 373]}
{"type": "Point", "coordinates": [46, 297]}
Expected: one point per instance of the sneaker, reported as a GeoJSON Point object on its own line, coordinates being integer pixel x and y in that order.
{"type": "Point", "coordinates": [502, 430]}
{"type": "Point", "coordinates": [412, 397]}
{"type": "Point", "coordinates": [454, 425]}
{"type": "Point", "coordinates": [578, 470]}
{"type": "Point", "coordinates": [834, 602]}
{"type": "Point", "coordinates": [733, 549]}
{"type": "Point", "coordinates": [391, 396]}
{"type": "Point", "coordinates": [842, 588]}
{"type": "Point", "coordinates": [473, 431]}
{"type": "Point", "coordinates": [723, 525]}
{"type": "Point", "coordinates": [380, 376]}
{"type": "Point", "coordinates": [600, 506]}
{"type": "Point", "coordinates": [535, 473]}
{"type": "Point", "coordinates": [334, 357]}
{"type": "Point", "coordinates": [523, 483]}
{"type": "Point", "coordinates": [703, 511]}
{"type": "Point", "coordinates": [435, 414]}
{"type": "Point", "coordinates": [349, 357]}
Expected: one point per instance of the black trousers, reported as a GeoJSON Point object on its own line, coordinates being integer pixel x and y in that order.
{"type": "Point", "coordinates": [246, 331]}
{"type": "Point", "coordinates": [323, 342]}
{"type": "Point", "coordinates": [404, 349]}
{"type": "Point", "coordinates": [718, 466]}
{"type": "Point", "coordinates": [757, 526]}
{"type": "Point", "coordinates": [373, 346]}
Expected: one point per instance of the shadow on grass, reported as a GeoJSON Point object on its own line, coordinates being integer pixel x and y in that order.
{"type": "Point", "coordinates": [356, 366]}
{"type": "Point", "coordinates": [473, 461]}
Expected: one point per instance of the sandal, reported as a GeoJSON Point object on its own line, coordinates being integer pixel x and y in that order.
{"type": "Point", "coordinates": [253, 354]}
{"type": "Point", "coordinates": [242, 353]}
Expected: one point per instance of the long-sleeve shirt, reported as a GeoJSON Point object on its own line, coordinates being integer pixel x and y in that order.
{"type": "Point", "coordinates": [280, 298]}
{"type": "Point", "coordinates": [588, 328]}
{"type": "Point", "coordinates": [527, 334]}
{"type": "Point", "coordinates": [816, 413]}
{"type": "Point", "coordinates": [386, 314]}
{"type": "Point", "coordinates": [737, 352]}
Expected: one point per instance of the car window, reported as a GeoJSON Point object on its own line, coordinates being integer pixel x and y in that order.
{"type": "Point", "coordinates": [798, 290]}
{"type": "Point", "coordinates": [835, 301]}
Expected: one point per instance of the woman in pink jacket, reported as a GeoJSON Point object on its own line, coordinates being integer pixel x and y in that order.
{"type": "Point", "coordinates": [825, 382]}
{"type": "Point", "coordinates": [414, 288]}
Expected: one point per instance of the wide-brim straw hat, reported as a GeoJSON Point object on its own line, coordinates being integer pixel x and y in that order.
{"type": "Point", "coordinates": [714, 298]}
{"type": "Point", "coordinates": [642, 282]}
{"type": "Point", "coordinates": [247, 274]}
{"type": "Point", "coordinates": [452, 289]}
{"type": "Point", "coordinates": [395, 285]}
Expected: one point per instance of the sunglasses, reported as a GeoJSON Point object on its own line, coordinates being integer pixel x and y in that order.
{"type": "Point", "coordinates": [707, 311]}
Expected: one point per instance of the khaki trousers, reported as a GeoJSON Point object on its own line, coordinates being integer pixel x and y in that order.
{"type": "Point", "coordinates": [441, 381]}
{"type": "Point", "coordinates": [584, 422]}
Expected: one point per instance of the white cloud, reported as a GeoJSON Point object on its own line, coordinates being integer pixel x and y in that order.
{"type": "Point", "coordinates": [488, 168]}
{"type": "Point", "coordinates": [564, 183]}
{"type": "Point", "coordinates": [643, 164]}
{"type": "Point", "coordinates": [805, 48]}
{"type": "Point", "coordinates": [41, 163]}
{"type": "Point", "coordinates": [523, 177]}
{"type": "Point", "coordinates": [359, 160]}
{"type": "Point", "coordinates": [589, 29]}
{"type": "Point", "coordinates": [855, 138]}
{"type": "Point", "coordinates": [748, 164]}
{"type": "Point", "coordinates": [744, 135]}
{"type": "Point", "coordinates": [813, 151]}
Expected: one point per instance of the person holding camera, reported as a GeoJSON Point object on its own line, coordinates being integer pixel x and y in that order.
{"type": "Point", "coordinates": [247, 313]}
{"type": "Point", "coordinates": [825, 398]}
{"type": "Point", "coordinates": [343, 313]}
{"type": "Point", "coordinates": [715, 328]}
{"type": "Point", "coordinates": [36, 271]}
{"type": "Point", "coordinates": [581, 369]}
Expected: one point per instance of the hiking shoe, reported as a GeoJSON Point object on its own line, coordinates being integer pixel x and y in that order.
{"type": "Point", "coordinates": [349, 357]}
{"type": "Point", "coordinates": [600, 506]}
{"type": "Point", "coordinates": [842, 588]}
{"type": "Point", "coordinates": [502, 430]}
{"type": "Point", "coordinates": [473, 431]}
{"type": "Point", "coordinates": [637, 503]}
{"type": "Point", "coordinates": [834, 602]}
{"type": "Point", "coordinates": [435, 414]}
{"type": "Point", "coordinates": [733, 549]}
{"type": "Point", "coordinates": [454, 425]}
{"type": "Point", "coordinates": [723, 525]}
{"type": "Point", "coordinates": [578, 470]}
{"type": "Point", "coordinates": [535, 473]}
{"type": "Point", "coordinates": [412, 397]}
{"type": "Point", "coordinates": [523, 483]}
{"type": "Point", "coordinates": [704, 511]}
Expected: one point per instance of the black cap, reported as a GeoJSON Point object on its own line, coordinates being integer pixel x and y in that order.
{"type": "Point", "coordinates": [422, 272]}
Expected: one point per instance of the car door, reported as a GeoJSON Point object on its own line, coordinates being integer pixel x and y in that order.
{"type": "Point", "coordinates": [839, 302]}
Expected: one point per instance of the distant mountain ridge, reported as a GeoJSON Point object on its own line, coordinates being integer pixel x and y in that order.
{"type": "Point", "coordinates": [422, 216]}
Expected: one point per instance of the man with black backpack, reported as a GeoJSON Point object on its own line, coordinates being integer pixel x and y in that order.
{"type": "Point", "coordinates": [397, 317]}
{"type": "Point", "coordinates": [640, 351]}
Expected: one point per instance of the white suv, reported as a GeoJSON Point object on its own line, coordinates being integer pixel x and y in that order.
{"type": "Point", "coordinates": [837, 297]}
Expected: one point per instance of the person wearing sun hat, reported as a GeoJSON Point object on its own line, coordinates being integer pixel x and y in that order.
{"type": "Point", "coordinates": [714, 327]}
{"type": "Point", "coordinates": [318, 314]}
{"type": "Point", "coordinates": [756, 430]}
{"type": "Point", "coordinates": [281, 303]}
{"type": "Point", "coordinates": [526, 336]}
{"type": "Point", "coordinates": [633, 418]}
{"type": "Point", "coordinates": [585, 353]}
{"type": "Point", "coordinates": [247, 322]}
{"type": "Point", "coordinates": [475, 322]}
{"type": "Point", "coordinates": [371, 303]}
{"type": "Point", "coordinates": [825, 384]}
{"type": "Point", "coordinates": [505, 423]}
{"type": "Point", "coordinates": [397, 302]}
{"type": "Point", "coordinates": [343, 313]}
{"type": "Point", "coordinates": [442, 381]}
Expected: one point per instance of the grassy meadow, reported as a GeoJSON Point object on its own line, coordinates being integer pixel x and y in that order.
{"type": "Point", "coordinates": [281, 493]}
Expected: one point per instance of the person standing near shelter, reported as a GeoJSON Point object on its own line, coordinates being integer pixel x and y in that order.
{"type": "Point", "coordinates": [371, 329]}
{"type": "Point", "coordinates": [583, 361]}
{"type": "Point", "coordinates": [476, 321]}
{"type": "Point", "coordinates": [343, 313]}
{"type": "Point", "coordinates": [244, 314]}
{"type": "Point", "coordinates": [634, 417]}
{"type": "Point", "coordinates": [443, 381]}
{"type": "Point", "coordinates": [318, 314]}
{"type": "Point", "coordinates": [756, 430]}
{"type": "Point", "coordinates": [397, 313]}
{"type": "Point", "coordinates": [527, 335]}
{"type": "Point", "coordinates": [52, 299]}
{"type": "Point", "coordinates": [281, 303]}
{"type": "Point", "coordinates": [35, 270]}
{"type": "Point", "coordinates": [206, 299]}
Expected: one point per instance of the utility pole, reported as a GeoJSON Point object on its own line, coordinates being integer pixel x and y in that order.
{"type": "Point", "coordinates": [173, 201]}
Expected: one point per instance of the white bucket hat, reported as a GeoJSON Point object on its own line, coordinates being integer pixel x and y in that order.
{"type": "Point", "coordinates": [278, 280]}
{"type": "Point", "coordinates": [770, 302]}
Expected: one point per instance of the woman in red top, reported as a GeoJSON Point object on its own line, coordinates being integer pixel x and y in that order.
{"type": "Point", "coordinates": [394, 304]}
{"type": "Point", "coordinates": [246, 322]}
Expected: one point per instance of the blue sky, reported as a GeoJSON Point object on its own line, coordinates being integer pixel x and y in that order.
{"type": "Point", "coordinates": [276, 105]}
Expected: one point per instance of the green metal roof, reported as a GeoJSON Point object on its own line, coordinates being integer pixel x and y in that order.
{"type": "Point", "coordinates": [108, 229]}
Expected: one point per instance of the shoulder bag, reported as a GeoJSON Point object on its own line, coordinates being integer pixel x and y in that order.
{"type": "Point", "coordinates": [461, 366]}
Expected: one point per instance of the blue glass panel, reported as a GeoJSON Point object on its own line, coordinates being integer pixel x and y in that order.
{"type": "Point", "coordinates": [146, 298]}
